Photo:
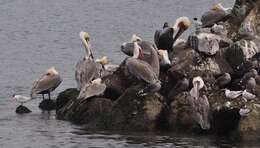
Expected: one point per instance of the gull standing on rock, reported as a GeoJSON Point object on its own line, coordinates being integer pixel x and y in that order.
{"type": "Point", "coordinates": [21, 99]}
{"type": "Point", "coordinates": [143, 71]}
{"type": "Point", "coordinates": [47, 83]}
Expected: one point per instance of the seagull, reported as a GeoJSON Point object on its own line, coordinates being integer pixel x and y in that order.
{"type": "Point", "coordinates": [21, 99]}
{"type": "Point", "coordinates": [47, 83]}
{"type": "Point", "coordinates": [232, 94]}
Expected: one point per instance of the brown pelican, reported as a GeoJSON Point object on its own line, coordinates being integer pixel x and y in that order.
{"type": "Point", "coordinates": [47, 83]}
{"type": "Point", "coordinates": [21, 99]}
{"type": "Point", "coordinates": [95, 88]}
{"type": "Point", "coordinates": [88, 69]}
{"type": "Point", "coordinates": [143, 71]}
{"type": "Point", "coordinates": [199, 104]}
{"type": "Point", "coordinates": [217, 14]}
{"type": "Point", "coordinates": [149, 52]}
{"type": "Point", "coordinates": [164, 39]}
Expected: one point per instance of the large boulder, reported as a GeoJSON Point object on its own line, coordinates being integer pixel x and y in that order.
{"type": "Point", "coordinates": [193, 64]}
{"type": "Point", "coordinates": [179, 116]}
{"type": "Point", "coordinates": [131, 112]}
{"type": "Point", "coordinates": [91, 111]}
{"type": "Point", "coordinates": [240, 52]}
{"type": "Point", "coordinates": [65, 96]}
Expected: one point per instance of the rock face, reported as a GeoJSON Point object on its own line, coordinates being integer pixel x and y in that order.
{"type": "Point", "coordinates": [180, 115]}
{"type": "Point", "coordinates": [89, 111]}
{"type": "Point", "coordinates": [22, 110]}
{"type": "Point", "coordinates": [240, 51]}
{"type": "Point", "coordinates": [65, 96]}
{"type": "Point", "coordinates": [136, 113]}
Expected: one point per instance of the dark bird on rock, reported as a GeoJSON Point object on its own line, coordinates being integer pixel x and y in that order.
{"type": "Point", "coordinates": [223, 80]}
{"type": "Point", "coordinates": [165, 39]}
{"type": "Point", "coordinates": [180, 86]}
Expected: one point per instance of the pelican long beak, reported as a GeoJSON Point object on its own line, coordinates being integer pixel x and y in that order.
{"type": "Point", "coordinates": [178, 34]}
{"type": "Point", "coordinates": [196, 86]}
{"type": "Point", "coordinates": [141, 54]}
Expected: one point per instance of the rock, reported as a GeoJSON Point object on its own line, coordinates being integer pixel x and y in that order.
{"type": "Point", "coordinates": [22, 110]}
{"type": "Point", "coordinates": [249, 126]}
{"type": "Point", "coordinates": [239, 52]}
{"type": "Point", "coordinates": [240, 11]}
{"type": "Point", "coordinates": [47, 105]}
{"type": "Point", "coordinates": [94, 112]}
{"type": "Point", "coordinates": [65, 96]}
{"type": "Point", "coordinates": [116, 82]}
{"type": "Point", "coordinates": [180, 117]}
{"type": "Point", "coordinates": [193, 64]}
{"type": "Point", "coordinates": [136, 113]}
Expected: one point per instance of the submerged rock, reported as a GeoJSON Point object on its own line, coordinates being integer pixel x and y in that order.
{"type": "Point", "coordinates": [47, 105]}
{"type": "Point", "coordinates": [22, 110]}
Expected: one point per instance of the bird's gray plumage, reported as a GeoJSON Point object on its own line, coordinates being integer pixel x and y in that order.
{"type": "Point", "coordinates": [149, 52]}
{"type": "Point", "coordinates": [86, 71]}
{"type": "Point", "coordinates": [142, 71]}
{"type": "Point", "coordinates": [46, 84]}
{"type": "Point", "coordinates": [201, 109]}
{"type": "Point", "coordinates": [92, 90]}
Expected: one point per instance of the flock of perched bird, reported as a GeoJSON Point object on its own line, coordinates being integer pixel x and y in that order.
{"type": "Point", "coordinates": [145, 61]}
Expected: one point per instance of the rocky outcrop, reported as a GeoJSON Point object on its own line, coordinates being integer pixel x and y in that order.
{"type": "Point", "coordinates": [121, 109]}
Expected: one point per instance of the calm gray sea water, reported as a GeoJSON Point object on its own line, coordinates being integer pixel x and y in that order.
{"type": "Point", "coordinates": [38, 34]}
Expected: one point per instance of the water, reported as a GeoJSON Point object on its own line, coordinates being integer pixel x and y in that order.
{"type": "Point", "coordinates": [37, 34]}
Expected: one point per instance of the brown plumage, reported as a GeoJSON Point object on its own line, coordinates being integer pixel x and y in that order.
{"type": "Point", "coordinates": [47, 83]}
